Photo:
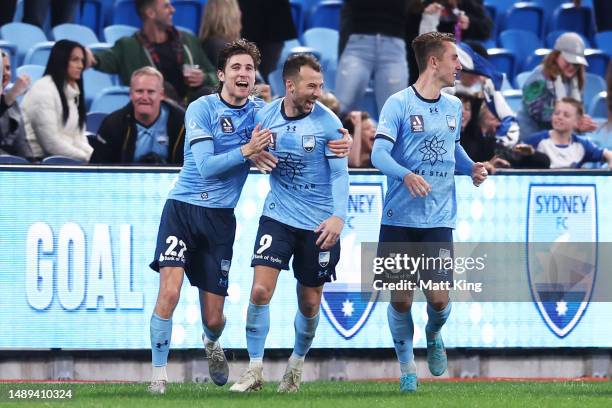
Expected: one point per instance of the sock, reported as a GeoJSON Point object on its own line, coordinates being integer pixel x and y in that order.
{"type": "Point", "coordinates": [305, 328]}
{"type": "Point", "coordinates": [211, 335]}
{"type": "Point", "coordinates": [159, 373]}
{"type": "Point", "coordinates": [402, 332]}
{"type": "Point", "coordinates": [161, 334]}
{"type": "Point", "coordinates": [436, 319]}
{"type": "Point", "coordinates": [257, 327]}
{"type": "Point", "coordinates": [296, 361]}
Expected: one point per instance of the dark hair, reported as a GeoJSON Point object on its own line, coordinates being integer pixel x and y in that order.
{"type": "Point", "coordinates": [347, 122]}
{"type": "Point", "coordinates": [141, 6]}
{"type": "Point", "coordinates": [57, 68]}
{"type": "Point", "coordinates": [238, 47]}
{"type": "Point", "coordinates": [292, 65]}
{"type": "Point", "coordinates": [428, 44]}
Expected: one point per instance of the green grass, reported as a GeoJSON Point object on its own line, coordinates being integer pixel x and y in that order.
{"type": "Point", "coordinates": [329, 395]}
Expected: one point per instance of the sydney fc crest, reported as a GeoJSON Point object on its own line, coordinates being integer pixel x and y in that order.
{"type": "Point", "coordinates": [343, 303]}
{"type": "Point", "coordinates": [451, 122]}
{"type": "Point", "coordinates": [562, 252]}
{"type": "Point", "coordinates": [308, 143]}
{"type": "Point", "coordinates": [323, 259]}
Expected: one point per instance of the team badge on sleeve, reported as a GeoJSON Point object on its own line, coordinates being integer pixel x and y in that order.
{"type": "Point", "coordinates": [416, 123]}
{"type": "Point", "coordinates": [308, 143]}
{"type": "Point", "coordinates": [227, 126]}
{"type": "Point", "coordinates": [451, 122]}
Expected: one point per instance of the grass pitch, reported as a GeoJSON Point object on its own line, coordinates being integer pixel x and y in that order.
{"type": "Point", "coordinates": [350, 394]}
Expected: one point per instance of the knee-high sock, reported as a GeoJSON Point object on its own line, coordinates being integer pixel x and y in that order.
{"type": "Point", "coordinates": [257, 327]}
{"type": "Point", "coordinates": [161, 334]}
{"type": "Point", "coordinates": [305, 328]}
{"type": "Point", "coordinates": [436, 318]}
{"type": "Point", "coordinates": [402, 332]}
{"type": "Point", "coordinates": [213, 335]}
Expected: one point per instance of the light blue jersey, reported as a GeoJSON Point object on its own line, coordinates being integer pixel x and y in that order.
{"type": "Point", "coordinates": [425, 140]}
{"type": "Point", "coordinates": [301, 193]}
{"type": "Point", "coordinates": [214, 169]}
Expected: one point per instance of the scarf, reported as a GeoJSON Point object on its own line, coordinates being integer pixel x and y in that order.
{"type": "Point", "coordinates": [561, 90]}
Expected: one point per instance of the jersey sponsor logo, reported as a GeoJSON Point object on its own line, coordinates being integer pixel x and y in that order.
{"type": "Point", "coordinates": [417, 124]}
{"type": "Point", "coordinates": [204, 196]}
{"type": "Point", "coordinates": [272, 145]}
{"type": "Point", "coordinates": [324, 259]}
{"type": "Point", "coordinates": [289, 166]}
{"type": "Point", "coordinates": [225, 266]}
{"type": "Point", "coordinates": [433, 150]}
{"type": "Point", "coordinates": [227, 126]}
{"type": "Point", "coordinates": [308, 143]}
{"type": "Point", "coordinates": [562, 234]}
{"type": "Point", "coordinates": [451, 122]}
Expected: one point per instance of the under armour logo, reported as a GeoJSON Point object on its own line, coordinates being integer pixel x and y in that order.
{"type": "Point", "coordinates": [433, 110]}
{"type": "Point", "coordinates": [291, 128]}
{"type": "Point", "coordinates": [400, 342]}
{"type": "Point", "coordinates": [159, 345]}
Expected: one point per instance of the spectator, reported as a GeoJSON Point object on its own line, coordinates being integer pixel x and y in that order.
{"type": "Point", "coordinates": [561, 74]}
{"type": "Point", "coordinates": [267, 23]}
{"type": "Point", "coordinates": [147, 130]}
{"type": "Point", "coordinates": [221, 24]}
{"type": "Point", "coordinates": [176, 54]}
{"type": "Point", "coordinates": [603, 134]}
{"type": "Point", "coordinates": [62, 11]}
{"type": "Point", "coordinates": [375, 49]}
{"type": "Point", "coordinates": [12, 131]}
{"type": "Point", "coordinates": [54, 109]}
{"type": "Point", "coordinates": [564, 148]}
{"type": "Point", "coordinates": [363, 129]}
{"type": "Point", "coordinates": [329, 99]}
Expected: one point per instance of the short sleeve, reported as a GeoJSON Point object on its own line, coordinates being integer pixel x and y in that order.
{"type": "Point", "coordinates": [198, 123]}
{"type": "Point", "coordinates": [390, 119]}
{"type": "Point", "coordinates": [592, 153]}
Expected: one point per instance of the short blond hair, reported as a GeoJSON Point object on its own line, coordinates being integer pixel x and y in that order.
{"type": "Point", "coordinates": [151, 71]}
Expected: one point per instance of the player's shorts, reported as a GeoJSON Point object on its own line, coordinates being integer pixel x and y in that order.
{"type": "Point", "coordinates": [277, 242]}
{"type": "Point", "coordinates": [434, 246]}
{"type": "Point", "coordinates": [199, 240]}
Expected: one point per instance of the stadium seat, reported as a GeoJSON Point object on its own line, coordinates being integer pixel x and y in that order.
{"type": "Point", "coordinates": [35, 72]}
{"type": "Point", "coordinates": [60, 160]}
{"type": "Point", "coordinates": [548, 6]}
{"type": "Point", "coordinates": [39, 54]}
{"type": "Point", "coordinates": [535, 58]}
{"type": "Point", "coordinates": [577, 19]}
{"type": "Point", "coordinates": [521, 78]}
{"type": "Point", "coordinates": [552, 36]}
{"type": "Point", "coordinates": [520, 42]}
{"type": "Point", "coordinates": [10, 159]}
{"type": "Point", "coordinates": [95, 82]}
{"type": "Point", "coordinates": [324, 40]}
{"type": "Point", "coordinates": [114, 32]}
{"type": "Point", "coordinates": [306, 50]}
{"type": "Point", "coordinates": [603, 41]}
{"type": "Point", "coordinates": [188, 14]}
{"type": "Point", "coordinates": [514, 97]}
{"type": "Point", "coordinates": [593, 85]}
{"type": "Point", "coordinates": [275, 79]}
{"type": "Point", "coordinates": [368, 103]}
{"type": "Point", "coordinates": [110, 99]}
{"type": "Point", "coordinates": [525, 16]}
{"type": "Point", "coordinates": [326, 14]}
{"type": "Point", "coordinates": [24, 36]}
{"type": "Point", "coordinates": [598, 106]}
{"type": "Point", "coordinates": [91, 15]}
{"type": "Point", "coordinates": [297, 16]}
{"type": "Point", "coordinates": [94, 120]}
{"type": "Point", "coordinates": [124, 12]}
{"type": "Point", "coordinates": [504, 60]}
{"type": "Point", "coordinates": [286, 51]}
{"type": "Point", "coordinates": [75, 32]}
{"type": "Point", "coordinates": [598, 62]}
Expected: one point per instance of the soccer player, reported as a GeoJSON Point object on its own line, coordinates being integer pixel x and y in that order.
{"type": "Point", "coordinates": [303, 216]}
{"type": "Point", "coordinates": [417, 148]}
{"type": "Point", "coordinates": [197, 227]}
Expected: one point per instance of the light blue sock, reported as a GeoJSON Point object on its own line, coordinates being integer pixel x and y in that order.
{"type": "Point", "coordinates": [402, 332]}
{"type": "Point", "coordinates": [213, 335]}
{"type": "Point", "coordinates": [161, 334]}
{"type": "Point", "coordinates": [436, 318]}
{"type": "Point", "coordinates": [257, 328]}
{"type": "Point", "coordinates": [305, 328]}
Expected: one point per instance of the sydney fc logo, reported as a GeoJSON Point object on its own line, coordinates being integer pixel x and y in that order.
{"type": "Point", "coordinates": [323, 259]}
{"type": "Point", "coordinates": [308, 143]}
{"type": "Point", "coordinates": [562, 252]}
{"type": "Point", "coordinates": [343, 303]}
{"type": "Point", "coordinates": [451, 122]}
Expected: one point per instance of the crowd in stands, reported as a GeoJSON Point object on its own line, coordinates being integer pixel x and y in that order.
{"type": "Point", "coordinates": [556, 114]}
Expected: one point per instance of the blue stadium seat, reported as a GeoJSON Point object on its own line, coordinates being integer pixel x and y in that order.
{"type": "Point", "coordinates": [60, 160]}
{"type": "Point", "coordinates": [188, 14]}
{"type": "Point", "coordinates": [275, 80]}
{"type": "Point", "coordinates": [504, 60]}
{"type": "Point", "coordinates": [75, 32]}
{"type": "Point", "coordinates": [520, 42]}
{"type": "Point", "coordinates": [324, 40]}
{"type": "Point", "coordinates": [114, 32]}
{"type": "Point", "coordinates": [368, 103]}
{"type": "Point", "coordinates": [35, 72]}
{"type": "Point", "coordinates": [24, 36]}
{"type": "Point", "coordinates": [95, 82]}
{"type": "Point", "coordinates": [306, 50]}
{"type": "Point", "coordinates": [521, 78]}
{"type": "Point", "coordinates": [94, 120]}
{"type": "Point", "coordinates": [297, 16]}
{"type": "Point", "coordinates": [326, 14]}
{"type": "Point", "coordinates": [535, 58]}
{"type": "Point", "coordinates": [286, 51]}
{"type": "Point", "coordinates": [111, 99]}
{"type": "Point", "coordinates": [598, 106]}
{"type": "Point", "coordinates": [514, 97]}
{"type": "Point", "coordinates": [593, 84]}
{"type": "Point", "coordinates": [525, 16]}
{"type": "Point", "coordinates": [124, 12]}
{"type": "Point", "coordinates": [603, 41]}
{"type": "Point", "coordinates": [39, 54]}
{"type": "Point", "coordinates": [91, 14]}
{"type": "Point", "coordinates": [548, 6]}
{"type": "Point", "coordinates": [10, 159]}
{"type": "Point", "coordinates": [598, 62]}
{"type": "Point", "coordinates": [577, 19]}
{"type": "Point", "coordinates": [552, 36]}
